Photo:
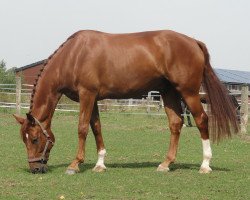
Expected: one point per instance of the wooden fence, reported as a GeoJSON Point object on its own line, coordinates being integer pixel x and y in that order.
{"type": "Point", "coordinates": [17, 96]}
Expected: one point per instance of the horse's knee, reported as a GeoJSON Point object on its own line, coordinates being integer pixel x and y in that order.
{"type": "Point", "coordinates": [83, 130]}
{"type": "Point", "coordinates": [175, 125]}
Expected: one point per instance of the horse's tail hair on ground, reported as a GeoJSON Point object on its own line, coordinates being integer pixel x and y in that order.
{"type": "Point", "coordinates": [222, 119]}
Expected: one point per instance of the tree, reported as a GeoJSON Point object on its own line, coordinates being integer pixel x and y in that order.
{"type": "Point", "coordinates": [6, 76]}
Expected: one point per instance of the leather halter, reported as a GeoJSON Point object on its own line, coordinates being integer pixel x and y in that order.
{"type": "Point", "coordinates": [42, 158]}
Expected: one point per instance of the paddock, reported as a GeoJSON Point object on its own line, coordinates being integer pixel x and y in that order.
{"type": "Point", "coordinates": [134, 151]}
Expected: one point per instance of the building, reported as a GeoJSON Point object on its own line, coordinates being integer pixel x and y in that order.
{"type": "Point", "coordinates": [29, 72]}
{"type": "Point", "coordinates": [233, 79]}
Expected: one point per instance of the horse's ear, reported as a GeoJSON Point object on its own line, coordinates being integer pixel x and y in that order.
{"type": "Point", "coordinates": [30, 118]}
{"type": "Point", "coordinates": [19, 119]}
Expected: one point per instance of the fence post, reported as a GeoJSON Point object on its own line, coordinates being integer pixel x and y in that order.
{"type": "Point", "coordinates": [148, 102]}
{"type": "Point", "coordinates": [18, 94]}
{"type": "Point", "coordinates": [244, 108]}
{"type": "Point", "coordinates": [160, 103]}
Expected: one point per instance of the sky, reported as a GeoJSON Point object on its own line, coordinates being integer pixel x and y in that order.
{"type": "Point", "coordinates": [31, 29]}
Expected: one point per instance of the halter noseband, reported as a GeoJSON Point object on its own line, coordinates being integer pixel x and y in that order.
{"type": "Point", "coordinates": [42, 158]}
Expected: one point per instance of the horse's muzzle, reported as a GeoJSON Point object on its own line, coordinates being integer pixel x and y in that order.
{"type": "Point", "coordinates": [38, 168]}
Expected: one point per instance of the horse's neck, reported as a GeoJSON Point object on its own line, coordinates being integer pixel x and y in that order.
{"type": "Point", "coordinates": [46, 97]}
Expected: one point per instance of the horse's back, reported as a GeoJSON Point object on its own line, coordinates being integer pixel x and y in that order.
{"type": "Point", "coordinates": [120, 64]}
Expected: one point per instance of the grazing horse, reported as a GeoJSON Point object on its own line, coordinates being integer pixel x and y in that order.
{"type": "Point", "coordinates": [92, 66]}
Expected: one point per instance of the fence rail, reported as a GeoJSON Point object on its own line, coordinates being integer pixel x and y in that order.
{"type": "Point", "coordinates": [20, 99]}
{"type": "Point", "coordinates": [150, 104]}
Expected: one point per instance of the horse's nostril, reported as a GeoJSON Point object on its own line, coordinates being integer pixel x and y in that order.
{"type": "Point", "coordinates": [35, 170]}
{"type": "Point", "coordinates": [44, 169]}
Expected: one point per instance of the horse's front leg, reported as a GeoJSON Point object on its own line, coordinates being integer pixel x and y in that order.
{"type": "Point", "coordinates": [87, 100]}
{"type": "Point", "coordinates": [96, 128]}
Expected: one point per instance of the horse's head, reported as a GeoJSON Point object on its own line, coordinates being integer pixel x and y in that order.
{"type": "Point", "coordinates": [38, 141]}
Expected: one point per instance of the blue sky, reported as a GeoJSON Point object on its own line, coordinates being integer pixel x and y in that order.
{"type": "Point", "coordinates": [32, 30]}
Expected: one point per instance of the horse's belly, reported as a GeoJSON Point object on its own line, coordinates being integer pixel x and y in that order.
{"type": "Point", "coordinates": [134, 89]}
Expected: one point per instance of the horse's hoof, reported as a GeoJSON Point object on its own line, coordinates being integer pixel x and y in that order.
{"type": "Point", "coordinates": [205, 170]}
{"type": "Point", "coordinates": [71, 171]}
{"type": "Point", "coordinates": [99, 168]}
{"type": "Point", "coordinates": [162, 169]}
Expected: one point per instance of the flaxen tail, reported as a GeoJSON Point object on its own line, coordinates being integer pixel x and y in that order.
{"type": "Point", "coordinates": [222, 119]}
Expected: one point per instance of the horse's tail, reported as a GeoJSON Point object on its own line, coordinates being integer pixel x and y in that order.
{"type": "Point", "coordinates": [223, 119]}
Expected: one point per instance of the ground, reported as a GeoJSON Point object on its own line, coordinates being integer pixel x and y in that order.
{"type": "Point", "coordinates": [135, 144]}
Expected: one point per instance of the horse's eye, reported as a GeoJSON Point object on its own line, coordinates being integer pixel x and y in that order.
{"type": "Point", "coordinates": [35, 141]}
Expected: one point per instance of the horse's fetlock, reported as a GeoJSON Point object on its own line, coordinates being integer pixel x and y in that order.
{"type": "Point", "coordinates": [171, 159]}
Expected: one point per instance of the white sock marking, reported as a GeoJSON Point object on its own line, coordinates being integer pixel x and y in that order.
{"type": "Point", "coordinates": [101, 156]}
{"type": "Point", "coordinates": [207, 154]}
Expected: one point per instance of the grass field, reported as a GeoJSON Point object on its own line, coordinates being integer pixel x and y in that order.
{"type": "Point", "coordinates": [136, 144]}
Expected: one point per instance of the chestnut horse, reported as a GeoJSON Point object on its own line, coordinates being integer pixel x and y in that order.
{"type": "Point", "coordinates": [92, 65]}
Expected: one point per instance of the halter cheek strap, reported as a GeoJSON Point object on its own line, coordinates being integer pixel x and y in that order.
{"type": "Point", "coordinates": [42, 158]}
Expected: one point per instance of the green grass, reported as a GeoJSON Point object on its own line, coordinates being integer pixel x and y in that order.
{"type": "Point", "coordinates": [136, 144]}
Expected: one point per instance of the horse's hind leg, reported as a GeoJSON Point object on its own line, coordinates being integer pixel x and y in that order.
{"type": "Point", "coordinates": [172, 105]}
{"type": "Point", "coordinates": [201, 120]}
{"type": "Point", "coordinates": [96, 128]}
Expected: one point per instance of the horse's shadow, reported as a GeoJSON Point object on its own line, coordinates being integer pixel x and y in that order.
{"type": "Point", "coordinates": [138, 165]}
{"type": "Point", "coordinates": [173, 167]}
{"type": "Point", "coordinates": [190, 166]}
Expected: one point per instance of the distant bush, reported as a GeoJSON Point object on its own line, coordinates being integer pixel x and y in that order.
{"type": "Point", "coordinates": [7, 76]}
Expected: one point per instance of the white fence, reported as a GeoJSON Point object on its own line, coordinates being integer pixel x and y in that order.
{"type": "Point", "coordinates": [17, 96]}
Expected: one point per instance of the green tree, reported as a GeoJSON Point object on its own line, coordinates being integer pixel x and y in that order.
{"type": "Point", "coordinates": [6, 76]}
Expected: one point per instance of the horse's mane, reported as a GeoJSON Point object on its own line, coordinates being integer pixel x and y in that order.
{"type": "Point", "coordinates": [45, 63]}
